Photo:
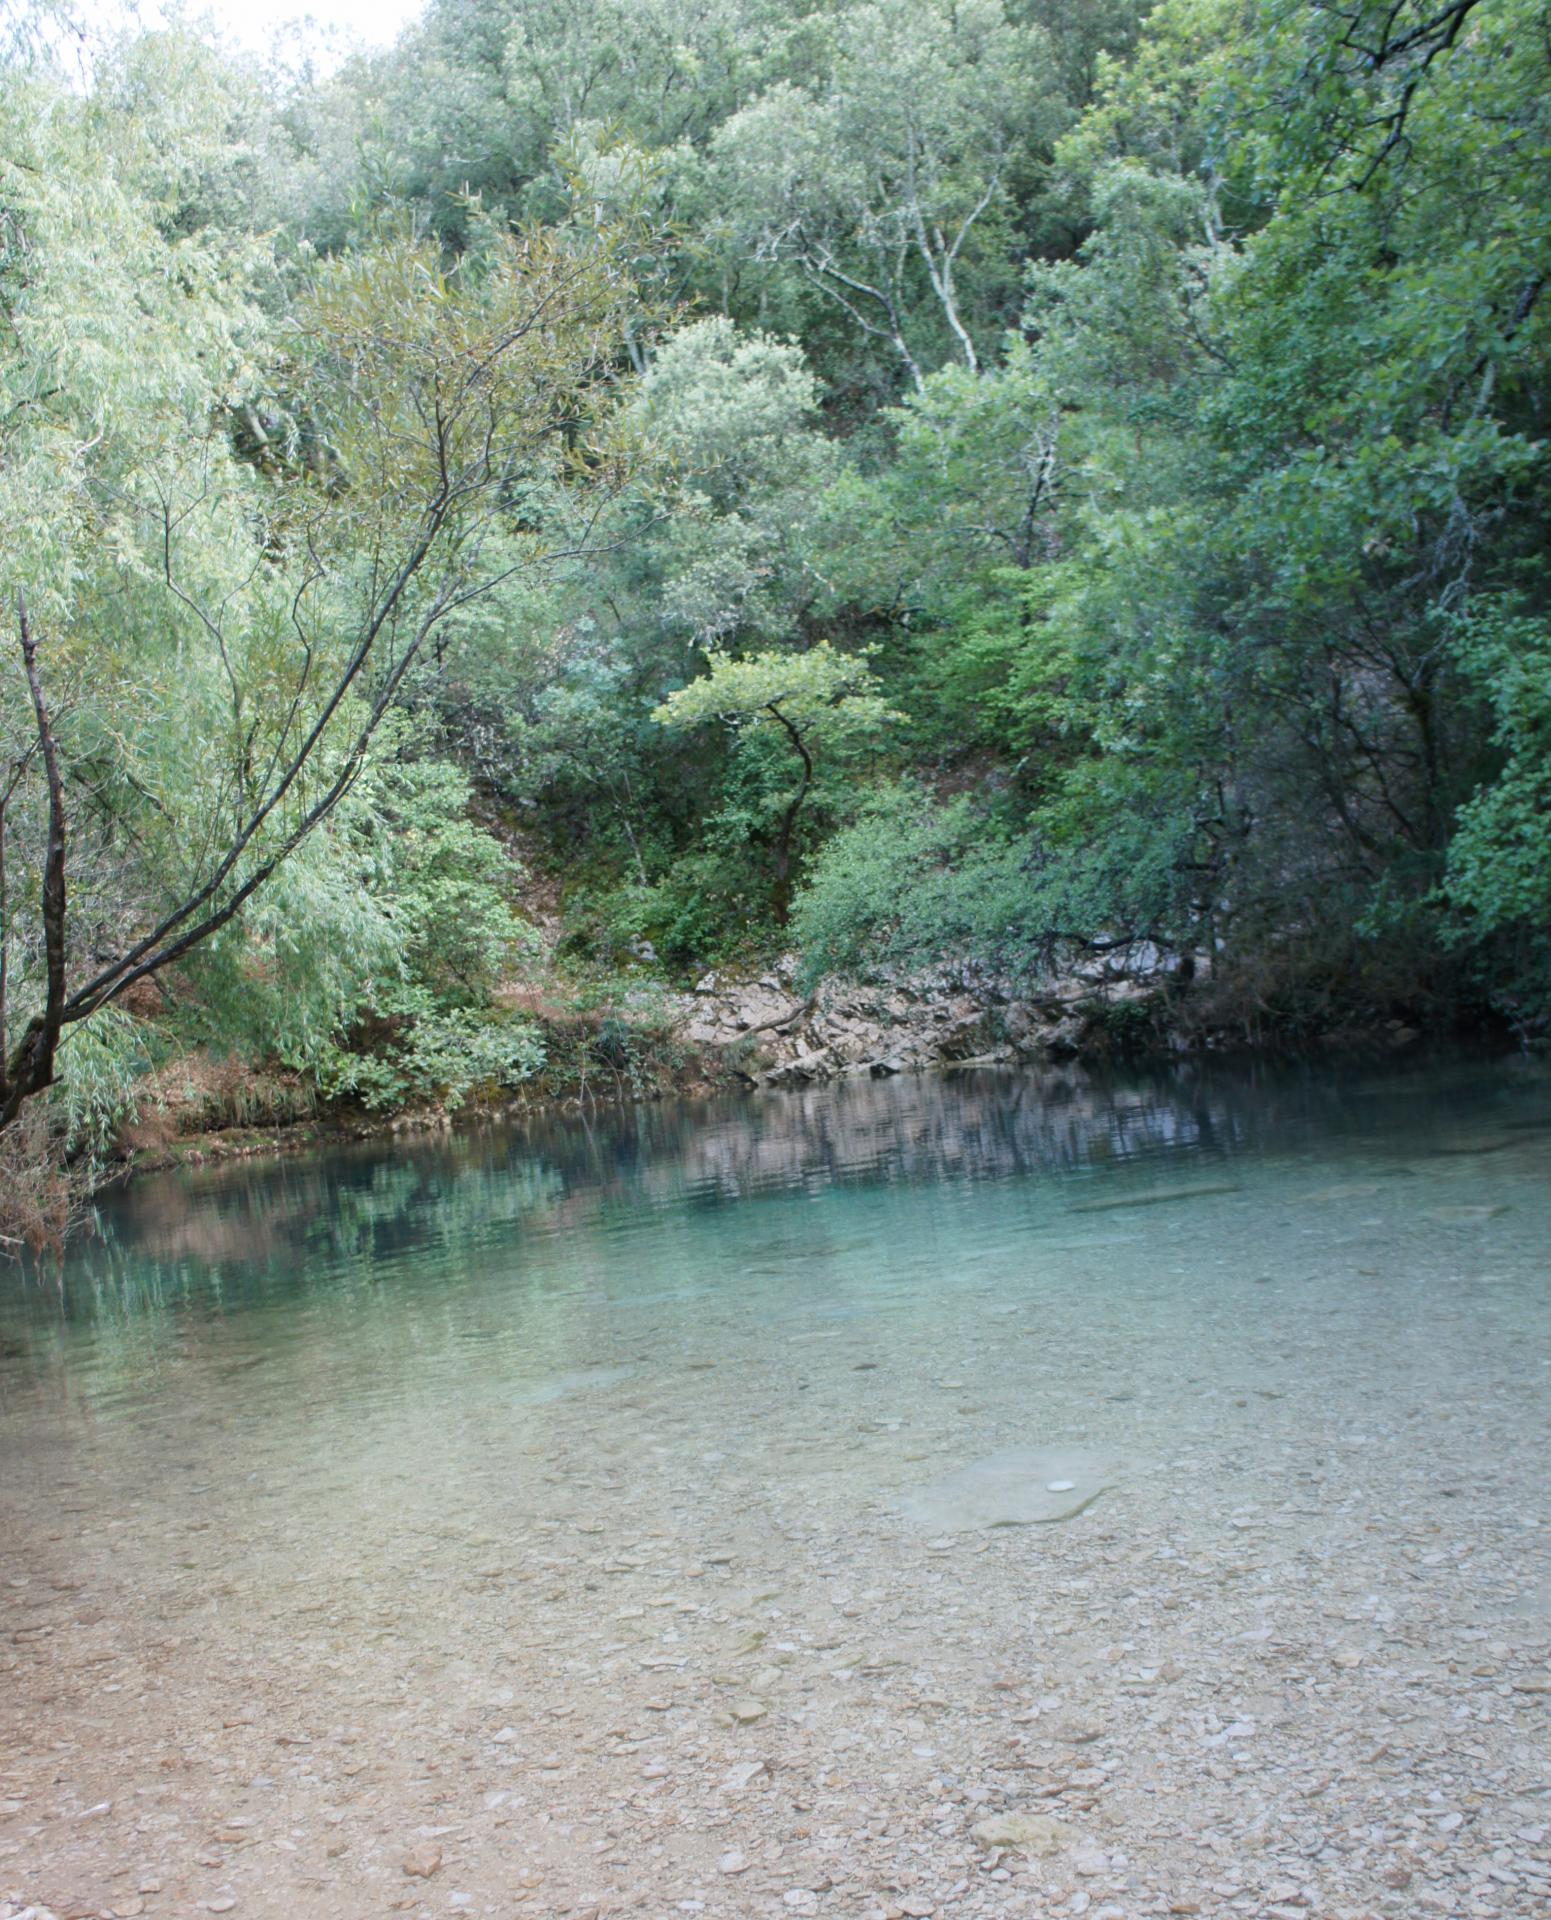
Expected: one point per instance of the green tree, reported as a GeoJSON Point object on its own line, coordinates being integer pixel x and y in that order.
{"type": "Point", "coordinates": [818, 703]}
{"type": "Point", "coordinates": [880, 180]}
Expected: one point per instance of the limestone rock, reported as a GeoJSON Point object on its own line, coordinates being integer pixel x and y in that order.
{"type": "Point", "coordinates": [1016, 1487]}
{"type": "Point", "coordinates": [1035, 1834]}
{"type": "Point", "coordinates": [952, 1014]}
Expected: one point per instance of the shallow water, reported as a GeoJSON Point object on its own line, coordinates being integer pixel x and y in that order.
{"type": "Point", "coordinates": [518, 1490]}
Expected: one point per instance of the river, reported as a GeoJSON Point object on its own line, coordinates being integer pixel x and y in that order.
{"type": "Point", "coordinates": [976, 1494]}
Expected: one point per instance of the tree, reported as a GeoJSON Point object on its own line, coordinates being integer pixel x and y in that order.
{"type": "Point", "coordinates": [817, 702]}
{"type": "Point", "coordinates": [974, 473]}
{"type": "Point", "coordinates": [879, 180]}
{"type": "Point", "coordinates": [735, 413]}
{"type": "Point", "coordinates": [221, 589]}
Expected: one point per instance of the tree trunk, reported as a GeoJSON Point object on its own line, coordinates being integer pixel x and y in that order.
{"type": "Point", "coordinates": [781, 892]}
{"type": "Point", "coordinates": [31, 1067]}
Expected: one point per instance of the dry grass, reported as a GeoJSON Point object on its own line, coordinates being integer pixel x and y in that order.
{"type": "Point", "coordinates": [199, 1093]}
{"type": "Point", "coordinates": [41, 1199]}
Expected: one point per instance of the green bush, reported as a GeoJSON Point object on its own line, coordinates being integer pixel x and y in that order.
{"type": "Point", "coordinates": [438, 1053]}
{"type": "Point", "coordinates": [911, 880]}
{"type": "Point", "coordinates": [422, 1025]}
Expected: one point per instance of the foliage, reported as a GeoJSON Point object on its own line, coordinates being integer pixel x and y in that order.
{"type": "Point", "coordinates": [231, 588]}
{"type": "Point", "coordinates": [818, 694]}
{"type": "Point", "coordinates": [105, 1061]}
{"type": "Point", "coordinates": [914, 881]}
{"type": "Point", "coordinates": [909, 882]}
{"type": "Point", "coordinates": [420, 1023]}
{"type": "Point", "coordinates": [881, 178]}
{"type": "Point", "coordinates": [445, 1055]}
{"type": "Point", "coordinates": [959, 476]}
{"type": "Point", "coordinates": [1499, 865]}
{"type": "Point", "coordinates": [819, 704]}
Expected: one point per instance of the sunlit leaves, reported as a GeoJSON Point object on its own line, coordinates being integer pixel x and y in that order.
{"type": "Point", "coordinates": [820, 692]}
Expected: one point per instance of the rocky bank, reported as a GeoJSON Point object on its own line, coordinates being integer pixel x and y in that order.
{"type": "Point", "coordinates": [768, 1032]}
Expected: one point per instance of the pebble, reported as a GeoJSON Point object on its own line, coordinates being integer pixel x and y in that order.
{"type": "Point", "coordinates": [424, 1860]}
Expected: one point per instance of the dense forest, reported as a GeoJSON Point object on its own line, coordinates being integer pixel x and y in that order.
{"type": "Point", "coordinates": [895, 481]}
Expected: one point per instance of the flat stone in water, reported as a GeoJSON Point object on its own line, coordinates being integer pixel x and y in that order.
{"type": "Point", "coordinates": [542, 1392]}
{"type": "Point", "coordinates": [1035, 1834]}
{"type": "Point", "coordinates": [1016, 1487]}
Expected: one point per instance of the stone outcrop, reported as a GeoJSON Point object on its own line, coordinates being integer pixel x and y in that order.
{"type": "Point", "coordinates": [773, 1035]}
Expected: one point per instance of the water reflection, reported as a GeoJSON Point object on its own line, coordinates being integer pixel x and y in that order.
{"type": "Point", "coordinates": [219, 1238]}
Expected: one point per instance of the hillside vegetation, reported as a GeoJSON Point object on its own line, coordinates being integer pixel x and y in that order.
{"type": "Point", "coordinates": [893, 480]}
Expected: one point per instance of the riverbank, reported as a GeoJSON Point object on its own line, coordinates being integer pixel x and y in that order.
{"type": "Point", "coordinates": [733, 1032]}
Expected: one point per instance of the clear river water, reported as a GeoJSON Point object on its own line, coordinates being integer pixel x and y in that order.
{"type": "Point", "coordinates": [986, 1493]}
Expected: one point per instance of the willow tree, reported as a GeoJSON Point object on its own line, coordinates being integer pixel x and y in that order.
{"type": "Point", "coordinates": [240, 508]}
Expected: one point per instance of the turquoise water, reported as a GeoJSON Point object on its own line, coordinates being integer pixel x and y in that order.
{"type": "Point", "coordinates": [791, 1189]}
{"type": "Point", "coordinates": [517, 1432]}
{"type": "Point", "coordinates": [513, 1258]}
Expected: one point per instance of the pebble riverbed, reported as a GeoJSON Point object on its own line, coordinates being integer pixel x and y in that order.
{"type": "Point", "coordinates": [1149, 1538]}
